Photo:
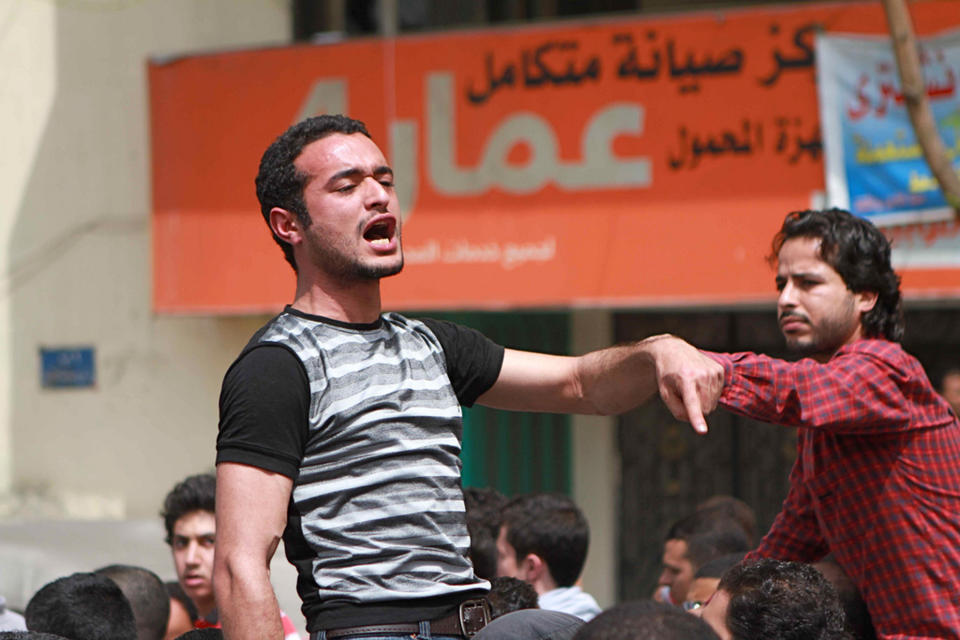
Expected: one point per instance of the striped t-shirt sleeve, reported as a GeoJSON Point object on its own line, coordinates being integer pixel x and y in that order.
{"type": "Point", "coordinates": [473, 360]}
{"type": "Point", "coordinates": [264, 403]}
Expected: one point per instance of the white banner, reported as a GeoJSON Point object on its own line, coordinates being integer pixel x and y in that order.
{"type": "Point", "coordinates": [874, 166]}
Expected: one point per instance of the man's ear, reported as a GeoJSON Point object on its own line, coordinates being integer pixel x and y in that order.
{"type": "Point", "coordinates": [866, 300]}
{"type": "Point", "coordinates": [286, 226]}
{"type": "Point", "coordinates": [533, 567]}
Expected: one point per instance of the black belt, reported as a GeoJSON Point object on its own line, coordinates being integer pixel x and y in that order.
{"type": "Point", "coordinates": [465, 622]}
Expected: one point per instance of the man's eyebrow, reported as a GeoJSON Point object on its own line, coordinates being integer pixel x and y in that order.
{"type": "Point", "coordinates": [805, 274]}
{"type": "Point", "coordinates": [354, 172]}
{"type": "Point", "coordinates": [345, 173]}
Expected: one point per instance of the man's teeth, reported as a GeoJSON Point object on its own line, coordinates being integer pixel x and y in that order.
{"type": "Point", "coordinates": [383, 241]}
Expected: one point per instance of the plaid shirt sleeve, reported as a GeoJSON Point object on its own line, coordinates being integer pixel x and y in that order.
{"type": "Point", "coordinates": [877, 477]}
{"type": "Point", "coordinates": [858, 391]}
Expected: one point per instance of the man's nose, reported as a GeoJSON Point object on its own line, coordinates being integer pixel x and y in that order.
{"type": "Point", "coordinates": [377, 195]}
{"type": "Point", "coordinates": [193, 555]}
{"type": "Point", "coordinates": [787, 298]}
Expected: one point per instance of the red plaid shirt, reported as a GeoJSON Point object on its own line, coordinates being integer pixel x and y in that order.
{"type": "Point", "coordinates": [876, 481]}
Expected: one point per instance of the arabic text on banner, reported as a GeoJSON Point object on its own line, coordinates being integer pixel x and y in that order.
{"type": "Point", "coordinates": [874, 166]}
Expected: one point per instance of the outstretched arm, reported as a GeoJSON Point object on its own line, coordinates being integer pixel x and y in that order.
{"type": "Point", "coordinates": [871, 386]}
{"type": "Point", "coordinates": [611, 381]}
{"type": "Point", "coordinates": [251, 516]}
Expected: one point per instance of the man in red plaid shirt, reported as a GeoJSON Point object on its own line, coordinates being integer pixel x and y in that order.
{"type": "Point", "coordinates": [877, 477]}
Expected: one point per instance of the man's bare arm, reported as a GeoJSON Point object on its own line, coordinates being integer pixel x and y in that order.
{"type": "Point", "coordinates": [251, 515]}
{"type": "Point", "coordinates": [611, 381]}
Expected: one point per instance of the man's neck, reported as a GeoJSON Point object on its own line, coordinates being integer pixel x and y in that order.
{"type": "Point", "coordinates": [827, 356]}
{"type": "Point", "coordinates": [205, 607]}
{"type": "Point", "coordinates": [543, 585]}
{"type": "Point", "coordinates": [357, 302]}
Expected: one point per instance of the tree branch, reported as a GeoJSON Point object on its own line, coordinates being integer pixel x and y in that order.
{"type": "Point", "coordinates": [915, 95]}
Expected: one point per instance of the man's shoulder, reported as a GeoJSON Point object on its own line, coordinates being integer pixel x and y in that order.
{"type": "Point", "coordinates": [435, 332]}
{"type": "Point", "coordinates": [876, 349]}
{"type": "Point", "coordinates": [267, 331]}
{"type": "Point", "coordinates": [572, 600]}
{"type": "Point", "coordinates": [400, 322]}
{"type": "Point", "coordinates": [266, 349]}
{"type": "Point", "coordinates": [873, 345]}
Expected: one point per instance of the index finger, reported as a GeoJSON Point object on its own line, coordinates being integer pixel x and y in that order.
{"type": "Point", "coordinates": [691, 403]}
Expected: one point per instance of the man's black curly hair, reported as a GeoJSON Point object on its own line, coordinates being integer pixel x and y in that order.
{"type": "Point", "coordinates": [860, 253]}
{"type": "Point", "coordinates": [278, 182]}
{"type": "Point", "coordinates": [785, 600]}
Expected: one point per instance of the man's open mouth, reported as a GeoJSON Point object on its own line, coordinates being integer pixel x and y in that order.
{"type": "Point", "coordinates": [380, 232]}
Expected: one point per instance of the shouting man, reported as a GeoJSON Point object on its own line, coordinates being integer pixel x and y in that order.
{"type": "Point", "coordinates": [340, 424]}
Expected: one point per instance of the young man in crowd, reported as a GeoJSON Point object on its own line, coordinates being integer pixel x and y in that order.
{"type": "Point", "coordinates": [690, 543]}
{"type": "Point", "coordinates": [340, 424]}
{"type": "Point", "coordinates": [543, 541]}
{"type": "Point", "coordinates": [706, 579]}
{"type": "Point", "coordinates": [189, 518]}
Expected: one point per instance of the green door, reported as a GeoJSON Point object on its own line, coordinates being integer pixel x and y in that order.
{"type": "Point", "coordinates": [509, 451]}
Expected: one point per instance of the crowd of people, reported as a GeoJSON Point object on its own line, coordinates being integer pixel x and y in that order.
{"type": "Point", "coordinates": [531, 549]}
{"type": "Point", "coordinates": [340, 432]}
{"type": "Point", "coordinates": [123, 602]}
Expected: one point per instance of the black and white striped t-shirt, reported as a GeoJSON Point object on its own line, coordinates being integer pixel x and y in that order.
{"type": "Point", "coordinates": [366, 420]}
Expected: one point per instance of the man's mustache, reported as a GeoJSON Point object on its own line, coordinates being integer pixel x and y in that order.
{"type": "Point", "coordinates": [792, 315]}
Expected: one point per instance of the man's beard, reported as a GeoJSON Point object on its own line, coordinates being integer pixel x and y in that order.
{"type": "Point", "coordinates": [347, 267]}
{"type": "Point", "coordinates": [825, 339]}
{"type": "Point", "coordinates": [375, 272]}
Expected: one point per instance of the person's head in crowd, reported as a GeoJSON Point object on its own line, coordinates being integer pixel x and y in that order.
{"type": "Point", "coordinates": [690, 543]}
{"type": "Point", "coordinates": [147, 596]}
{"type": "Point", "coordinates": [707, 578]}
{"type": "Point", "coordinates": [510, 594]}
{"type": "Point", "coordinates": [483, 507]}
{"type": "Point", "coordinates": [543, 540]}
{"type": "Point", "coordinates": [734, 508]}
{"type": "Point", "coordinates": [183, 613]}
{"type": "Point", "coordinates": [188, 516]}
{"type": "Point", "coordinates": [29, 635]}
{"type": "Point", "coordinates": [774, 599]}
{"type": "Point", "coordinates": [208, 633]}
{"type": "Point", "coordinates": [531, 624]}
{"type": "Point", "coordinates": [645, 620]}
{"type": "Point", "coordinates": [836, 282]}
{"type": "Point", "coordinates": [855, 610]}
{"type": "Point", "coordinates": [485, 500]}
{"type": "Point", "coordinates": [950, 388]}
{"type": "Point", "coordinates": [82, 606]}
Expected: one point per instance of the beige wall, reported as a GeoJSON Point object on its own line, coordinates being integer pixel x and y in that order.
{"type": "Point", "coordinates": [75, 256]}
{"type": "Point", "coordinates": [595, 468]}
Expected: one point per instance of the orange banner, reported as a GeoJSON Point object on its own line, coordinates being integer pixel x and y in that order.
{"type": "Point", "coordinates": [628, 163]}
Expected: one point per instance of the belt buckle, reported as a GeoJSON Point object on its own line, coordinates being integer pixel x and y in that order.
{"type": "Point", "coordinates": [474, 616]}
